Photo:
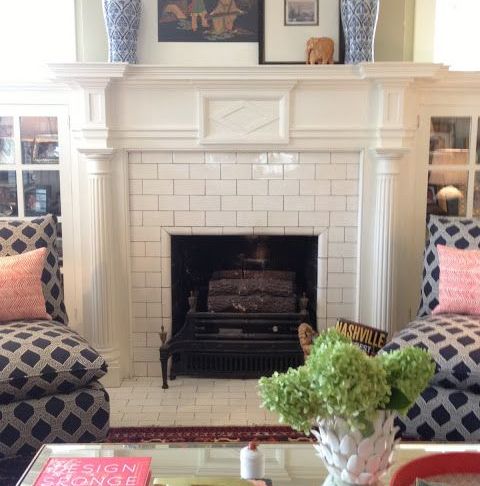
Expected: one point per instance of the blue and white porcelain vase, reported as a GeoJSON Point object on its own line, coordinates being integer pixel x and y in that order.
{"type": "Point", "coordinates": [359, 18]}
{"type": "Point", "coordinates": [122, 19]}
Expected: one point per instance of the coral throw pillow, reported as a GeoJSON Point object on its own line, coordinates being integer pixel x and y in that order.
{"type": "Point", "coordinates": [459, 283]}
{"type": "Point", "coordinates": [21, 293]}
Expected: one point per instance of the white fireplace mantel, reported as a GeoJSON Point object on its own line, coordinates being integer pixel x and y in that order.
{"type": "Point", "coordinates": [372, 110]}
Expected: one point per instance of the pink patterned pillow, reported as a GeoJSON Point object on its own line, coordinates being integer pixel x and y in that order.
{"type": "Point", "coordinates": [21, 294]}
{"type": "Point", "coordinates": [459, 283]}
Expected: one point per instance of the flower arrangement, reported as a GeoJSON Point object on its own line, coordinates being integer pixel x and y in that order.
{"type": "Point", "coordinates": [339, 380]}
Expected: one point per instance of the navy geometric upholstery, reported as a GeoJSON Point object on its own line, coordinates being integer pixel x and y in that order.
{"type": "Point", "coordinates": [459, 233]}
{"type": "Point", "coordinates": [79, 416]}
{"type": "Point", "coordinates": [453, 340]}
{"type": "Point", "coordinates": [38, 358]}
{"type": "Point", "coordinates": [443, 415]}
{"type": "Point", "coordinates": [20, 236]}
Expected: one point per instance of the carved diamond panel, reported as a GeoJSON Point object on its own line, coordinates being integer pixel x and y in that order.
{"type": "Point", "coordinates": [243, 118]}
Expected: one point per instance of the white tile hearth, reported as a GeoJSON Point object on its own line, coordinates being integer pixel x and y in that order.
{"type": "Point", "coordinates": [141, 401]}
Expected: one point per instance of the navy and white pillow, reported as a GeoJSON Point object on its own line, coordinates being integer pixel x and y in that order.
{"type": "Point", "coordinates": [39, 358]}
{"type": "Point", "coordinates": [454, 232]}
{"type": "Point", "coordinates": [20, 236]}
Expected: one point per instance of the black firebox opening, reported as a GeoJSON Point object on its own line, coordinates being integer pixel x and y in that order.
{"type": "Point", "coordinates": [196, 258]}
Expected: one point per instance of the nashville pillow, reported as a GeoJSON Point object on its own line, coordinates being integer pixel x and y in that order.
{"type": "Point", "coordinates": [21, 293]}
{"type": "Point", "coordinates": [459, 283]}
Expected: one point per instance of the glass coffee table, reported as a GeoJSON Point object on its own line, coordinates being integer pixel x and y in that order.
{"type": "Point", "coordinates": [286, 463]}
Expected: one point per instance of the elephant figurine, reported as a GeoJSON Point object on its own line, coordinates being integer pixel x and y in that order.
{"type": "Point", "coordinates": [320, 50]}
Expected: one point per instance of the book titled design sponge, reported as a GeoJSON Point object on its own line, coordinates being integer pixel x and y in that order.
{"type": "Point", "coordinates": [95, 471]}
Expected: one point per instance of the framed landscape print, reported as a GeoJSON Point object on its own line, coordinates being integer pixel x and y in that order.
{"type": "Point", "coordinates": [285, 26]}
{"type": "Point", "coordinates": [301, 12]}
{"type": "Point", "coordinates": [208, 20]}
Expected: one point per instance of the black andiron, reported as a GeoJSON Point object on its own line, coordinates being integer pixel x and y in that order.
{"type": "Point", "coordinates": [234, 344]}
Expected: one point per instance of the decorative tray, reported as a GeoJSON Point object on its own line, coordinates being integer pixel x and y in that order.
{"type": "Point", "coordinates": [450, 468]}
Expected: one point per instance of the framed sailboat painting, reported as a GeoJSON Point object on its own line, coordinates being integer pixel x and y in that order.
{"type": "Point", "coordinates": [208, 20]}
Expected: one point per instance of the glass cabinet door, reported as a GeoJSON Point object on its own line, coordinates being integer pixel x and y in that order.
{"type": "Point", "coordinates": [452, 176]}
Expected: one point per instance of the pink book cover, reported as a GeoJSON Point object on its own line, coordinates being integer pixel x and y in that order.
{"type": "Point", "coordinates": [95, 471]}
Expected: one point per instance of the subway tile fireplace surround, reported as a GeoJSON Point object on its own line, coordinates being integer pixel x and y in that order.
{"type": "Point", "coordinates": [336, 153]}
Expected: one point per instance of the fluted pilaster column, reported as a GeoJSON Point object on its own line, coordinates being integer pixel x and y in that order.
{"type": "Point", "coordinates": [100, 326]}
{"type": "Point", "coordinates": [387, 174]}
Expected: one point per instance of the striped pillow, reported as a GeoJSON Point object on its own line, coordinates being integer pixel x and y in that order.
{"type": "Point", "coordinates": [21, 293]}
{"type": "Point", "coordinates": [459, 282]}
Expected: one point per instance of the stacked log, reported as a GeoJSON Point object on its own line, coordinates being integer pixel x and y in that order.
{"type": "Point", "coordinates": [252, 291]}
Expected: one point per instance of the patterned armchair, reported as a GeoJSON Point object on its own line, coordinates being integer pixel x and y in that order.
{"type": "Point", "coordinates": [449, 409]}
{"type": "Point", "coordinates": [49, 389]}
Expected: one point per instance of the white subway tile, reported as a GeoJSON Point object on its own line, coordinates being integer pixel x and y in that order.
{"type": "Point", "coordinates": [154, 309]}
{"type": "Point", "coordinates": [142, 171]}
{"type": "Point", "coordinates": [153, 249]}
{"type": "Point", "coordinates": [252, 218]}
{"type": "Point", "coordinates": [341, 280]}
{"type": "Point", "coordinates": [145, 203]}
{"type": "Point", "coordinates": [136, 218]}
{"type": "Point", "coordinates": [335, 265]}
{"type": "Point", "coordinates": [352, 203]}
{"type": "Point", "coordinates": [349, 296]}
{"type": "Point", "coordinates": [189, 218]}
{"type": "Point", "coordinates": [283, 218]}
{"type": "Point", "coordinates": [336, 234]}
{"type": "Point", "coordinates": [154, 279]}
{"type": "Point", "coordinates": [268, 203]}
{"type": "Point", "coordinates": [331, 172]}
{"type": "Point", "coordinates": [282, 158]}
{"type": "Point", "coordinates": [252, 158]}
{"type": "Point", "coordinates": [146, 295]}
{"type": "Point", "coordinates": [145, 264]}
{"type": "Point", "coordinates": [236, 171]}
{"type": "Point", "coordinates": [299, 203]}
{"type": "Point", "coordinates": [158, 218]}
{"type": "Point", "coordinates": [334, 296]}
{"type": "Point", "coordinates": [347, 250]}
{"type": "Point", "coordinates": [139, 339]}
{"type": "Point", "coordinates": [145, 354]}
{"type": "Point", "coordinates": [351, 234]}
{"type": "Point", "coordinates": [221, 188]}
{"type": "Point", "coordinates": [137, 279]}
{"type": "Point", "coordinates": [188, 158]}
{"type": "Point", "coordinates": [268, 171]}
{"type": "Point", "coordinates": [135, 186]}
{"type": "Point", "coordinates": [283, 188]}
{"type": "Point", "coordinates": [141, 324]}
{"type": "Point", "coordinates": [330, 203]}
{"type": "Point", "coordinates": [352, 171]}
{"type": "Point", "coordinates": [158, 187]}
{"type": "Point", "coordinates": [343, 218]}
{"type": "Point", "coordinates": [139, 309]}
{"type": "Point", "coordinates": [345, 188]}
{"type": "Point", "coordinates": [313, 218]}
{"type": "Point", "coordinates": [139, 369]}
{"type": "Point", "coordinates": [157, 157]}
{"type": "Point", "coordinates": [173, 203]}
{"type": "Point", "coordinates": [221, 218]}
{"type": "Point", "coordinates": [350, 265]}
{"type": "Point", "coordinates": [252, 188]}
{"type": "Point", "coordinates": [153, 340]}
{"type": "Point", "coordinates": [173, 171]}
{"type": "Point", "coordinates": [137, 249]}
{"type": "Point", "coordinates": [220, 157]}
{"type": "Point", "coordinates": [315, 188]}
{"type": "Point", "coordinates": [315, 157]}
{"type": "Point", "coordinates": [144, 233]}
{"type": "Point", "coordinates": [189, 187]}
{"type": "Point", "coordinates": [336, 311]}
{"type": "Point", "coordinates": [205, 171]}
{"type": "Point", "coordinates": [299, 171]}
{"type": "Point", "coordinates": [205, 203]}
{"type": "Point", "coordinates": [345, 158]}
{"type": "Point", "coordinates": [236, 203]}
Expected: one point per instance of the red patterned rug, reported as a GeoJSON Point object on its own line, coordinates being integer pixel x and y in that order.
{"type": "Point", "coordinates": [204, 434]}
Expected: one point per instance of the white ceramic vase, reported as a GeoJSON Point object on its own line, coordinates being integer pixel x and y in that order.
{"type": "Point", "coordinates": [351, 458]}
